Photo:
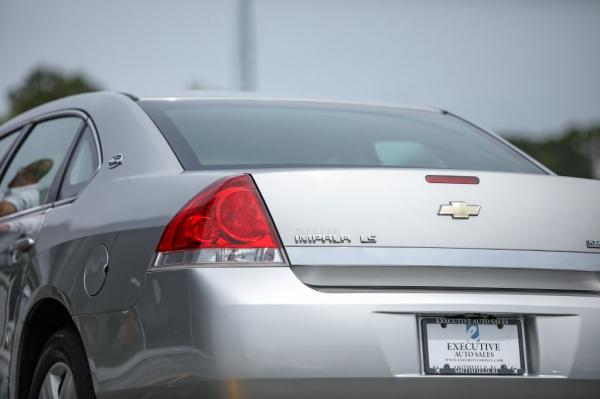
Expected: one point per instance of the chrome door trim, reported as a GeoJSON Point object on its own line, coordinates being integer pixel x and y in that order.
{"type": "Point", "coordinates": [450, 257]}
{"type": "Point", "coordinates": [87, 122]}
{"type": "Point", "coordinates": [12, 216]}
{"type": "Point", "coordinates": [59, 114]}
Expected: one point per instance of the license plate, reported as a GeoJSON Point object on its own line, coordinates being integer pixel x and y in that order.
{"type": "Point", "coordinates": [472, 346]}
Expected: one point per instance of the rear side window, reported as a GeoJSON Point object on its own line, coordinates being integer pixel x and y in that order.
{"type": "Point", "coordinates": [82, 166]}
{"type": "Point", "coordinates": [207, 134]}
{"type": "Point", "coordinates": [32, 170]}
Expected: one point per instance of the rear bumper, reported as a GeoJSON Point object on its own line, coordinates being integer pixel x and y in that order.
{"type": "Point", "coordinates": [261, 333]}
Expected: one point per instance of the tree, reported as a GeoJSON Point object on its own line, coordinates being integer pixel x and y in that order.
{"type": "Point", "coordinates": [575, 153]}
{"type": "Point", "coordinates": [44, 84]}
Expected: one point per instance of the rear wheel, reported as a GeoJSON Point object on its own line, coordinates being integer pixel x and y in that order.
{"type": "Point", "coordinates": [62, 371]}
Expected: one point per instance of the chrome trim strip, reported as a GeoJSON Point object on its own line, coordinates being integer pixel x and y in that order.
{"type": "Point", "coordinates": [92, 127]}
{"type": "Point", "coordinates": [58, 114]}
{"type": "Point", "coordinates": [444, 278]}
{"type": "Point", "coordinates": [12, 216]}
{"type": "Point", "coordinates": [452, 257]}
{"type": "Point", "coordinates": [65, 201]}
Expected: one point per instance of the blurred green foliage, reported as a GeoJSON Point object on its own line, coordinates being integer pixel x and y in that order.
{"type": "Point", "coordinates": [575, 153]}
{"type": "Point", "coordinates": [45, 84]}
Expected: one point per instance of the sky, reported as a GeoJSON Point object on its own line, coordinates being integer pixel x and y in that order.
{"type": "Point", "coordinates": [529, 67]}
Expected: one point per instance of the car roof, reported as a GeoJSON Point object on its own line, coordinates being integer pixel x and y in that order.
{"type": "Point", "coordinates": [218, 95]}
{"type": "Point", "coordinates": [76, 101]}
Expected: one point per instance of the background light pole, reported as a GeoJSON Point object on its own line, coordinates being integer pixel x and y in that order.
{"type": "Point", "coordinates": [246, 50]}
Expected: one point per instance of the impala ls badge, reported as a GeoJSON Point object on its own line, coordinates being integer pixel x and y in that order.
{"type": "Point", "coordinates": [326, 239]}
{"type": "Point", "coordinates": [459, 210]}
{"type": "Point", "coordinates": [322, 239]}
{"type": "Point", "coordinates": [593, 244]}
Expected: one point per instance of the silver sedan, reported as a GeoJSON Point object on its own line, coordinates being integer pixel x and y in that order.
{"type": "Point", "coordinates": [265, 248]}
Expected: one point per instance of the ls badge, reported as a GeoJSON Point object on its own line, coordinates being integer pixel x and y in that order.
{"type": "Point", "coordinates": [459, 210]}
{"type": "Point", "coordinates": [593, 244]}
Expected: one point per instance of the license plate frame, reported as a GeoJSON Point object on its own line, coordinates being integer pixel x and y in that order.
{"type": "Point", "coordinates": [487, 322]}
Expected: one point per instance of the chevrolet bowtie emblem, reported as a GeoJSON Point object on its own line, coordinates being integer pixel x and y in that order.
{"type": "Point", "coordinates": [459, 210]}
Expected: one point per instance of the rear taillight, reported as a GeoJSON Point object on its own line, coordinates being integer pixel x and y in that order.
{"type": "Point", "coordinates": [226, 224]}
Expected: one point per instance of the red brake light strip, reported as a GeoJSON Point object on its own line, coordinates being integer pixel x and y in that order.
{"type": "Point", "coordinates": [452, 179]}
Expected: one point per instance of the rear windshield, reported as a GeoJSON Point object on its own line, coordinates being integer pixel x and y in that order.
{"type": "Point", "coordinates": [252, 134]}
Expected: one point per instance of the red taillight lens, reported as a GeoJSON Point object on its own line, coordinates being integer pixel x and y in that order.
{"type": "Point", "coordinates": [228, 214]}
{"type": "Point", "coordinates": [241, 217]}
{"type": "Point", "coordinates": [226, 223]}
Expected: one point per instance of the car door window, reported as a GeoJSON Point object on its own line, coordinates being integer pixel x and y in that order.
{"type": "Point", "coordinates": [82, 166]}
{"type": "Point", "coordinates": [30, 174]}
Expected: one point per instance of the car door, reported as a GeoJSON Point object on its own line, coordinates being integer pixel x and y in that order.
{"type": "Point", "coordinates": [6, 143]}
{"type": "Point", "coordinates": [27, 190]}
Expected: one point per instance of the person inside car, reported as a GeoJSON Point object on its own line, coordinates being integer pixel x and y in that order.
{"type": "Point", "coordinates": [23, 190]}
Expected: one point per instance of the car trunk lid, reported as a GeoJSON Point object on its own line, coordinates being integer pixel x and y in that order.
{"type": "Point", "coordinates": [340, 227]}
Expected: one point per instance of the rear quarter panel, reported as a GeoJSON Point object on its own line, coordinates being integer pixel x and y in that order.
{"type": "Point", "coordinates": [124, 209]}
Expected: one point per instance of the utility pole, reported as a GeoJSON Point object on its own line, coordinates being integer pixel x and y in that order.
{"type": "Point", "coordinates": [246, 50]}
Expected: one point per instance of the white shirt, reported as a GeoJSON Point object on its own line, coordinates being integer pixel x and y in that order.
{"type": "Point", "coordinates": [23, 197]}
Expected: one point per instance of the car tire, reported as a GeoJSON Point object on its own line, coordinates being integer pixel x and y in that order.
{"type": "Point", "coordinates": [62, 369]}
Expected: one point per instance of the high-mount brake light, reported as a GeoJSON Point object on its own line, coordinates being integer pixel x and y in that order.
{"type": "Point", "coordinates": [225, 224]}
{"type": "Point", "coordinates": [446, 179]}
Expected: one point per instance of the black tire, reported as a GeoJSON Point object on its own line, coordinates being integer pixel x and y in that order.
{"type": "Point", "coordinates": [64, 346]}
